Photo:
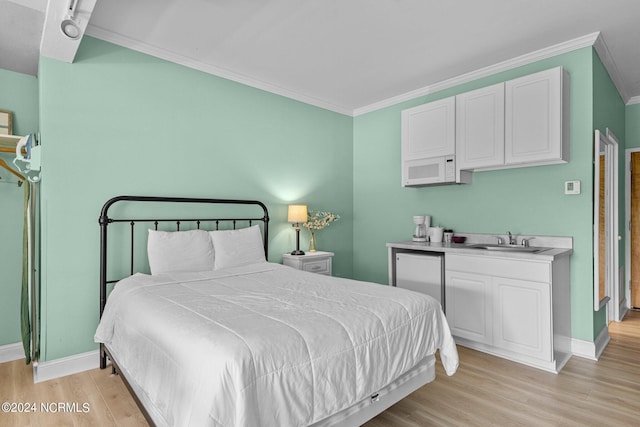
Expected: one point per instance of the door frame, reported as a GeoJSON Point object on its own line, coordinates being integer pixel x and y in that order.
{"type": "Point", "coordinates": [612, 270]}
{"type": "Point", "coordinates": [627, 225]}
{"type": "Point", "coordinates": [614, 186]}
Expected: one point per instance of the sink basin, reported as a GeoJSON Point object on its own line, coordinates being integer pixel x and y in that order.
{"type": "Point", "coordinates": [505, 248]}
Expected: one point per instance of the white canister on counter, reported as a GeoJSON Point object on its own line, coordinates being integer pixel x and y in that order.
{"type": "Point", "coordinates": [435, 234]}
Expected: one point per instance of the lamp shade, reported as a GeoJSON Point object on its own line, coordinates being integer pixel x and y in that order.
{"type": "Point", "coordinates": [297, 213]}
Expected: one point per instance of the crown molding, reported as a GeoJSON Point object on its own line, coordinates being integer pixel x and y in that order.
{"type": "Point", "coordinates": [509, 64]}
{"type": "Point", "coordinates": [605, 56]}
{"type": "Point", "coordinates": [129, 43]}
{"type": "Point", "coordinates": [594, 39]}
{"type": "Point", "coordinates": [633, 100]}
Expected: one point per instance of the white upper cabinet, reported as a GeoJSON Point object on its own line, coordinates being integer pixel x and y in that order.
{"type": "Point", "coordinates": [428, 130]}
{"type": "Point", "coordinates": [518, 123]}
{"type": "Point", "coordinates": [480, 128]}
{"type": "Point", "coordinates": [536, 119]}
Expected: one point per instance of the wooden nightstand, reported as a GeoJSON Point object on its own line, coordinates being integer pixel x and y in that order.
{"type": "Point", "coordinates": [314, 262]}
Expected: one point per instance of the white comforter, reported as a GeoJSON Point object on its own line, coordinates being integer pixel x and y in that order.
{"type": "Point", "coordinates": [265, 345]}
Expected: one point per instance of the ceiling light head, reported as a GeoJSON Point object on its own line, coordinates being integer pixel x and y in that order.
{"type": "Point", "coordinates": [70, 29]}
{"type": "Point", "coordinates": [69, 26]}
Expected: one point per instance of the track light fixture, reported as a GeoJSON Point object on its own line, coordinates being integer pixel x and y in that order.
{"type": "Point", "coordinates": [69, 26]}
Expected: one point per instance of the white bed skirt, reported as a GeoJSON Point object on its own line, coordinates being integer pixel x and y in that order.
{"type": "Point", "coordinates": [354, 416]}
{"type": "Point", "coordinates": [365, 410]}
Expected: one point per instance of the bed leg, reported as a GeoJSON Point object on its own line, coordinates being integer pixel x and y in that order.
{"type": "Point", "coordinates": [103, 357]}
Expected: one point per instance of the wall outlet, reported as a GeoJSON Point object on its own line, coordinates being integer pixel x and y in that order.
{"type": "Point", "coordinates": [572, 187]}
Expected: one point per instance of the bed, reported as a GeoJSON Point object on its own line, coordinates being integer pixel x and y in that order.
{"type": "Point", "coordinates": [238, 341]}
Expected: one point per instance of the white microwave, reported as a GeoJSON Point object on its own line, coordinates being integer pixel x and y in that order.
{"type": "Point", "coordinates": [433, 171]}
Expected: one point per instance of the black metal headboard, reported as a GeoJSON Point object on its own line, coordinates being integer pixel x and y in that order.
{"type": "Point", "coordinates": [105, 220]}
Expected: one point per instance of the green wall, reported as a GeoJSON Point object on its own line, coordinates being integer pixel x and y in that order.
{"type": "Point", "coordinates": [632, 126]}
{"type": "Point", "coordinates": [523, 201]}
{"type": "Point", "coordinates": [120, 122]}
{"type": "Point", "coordinates": [18, 94]}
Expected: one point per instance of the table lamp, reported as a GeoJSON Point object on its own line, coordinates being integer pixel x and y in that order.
{"type": "Point", "coordinates": [297, 214]}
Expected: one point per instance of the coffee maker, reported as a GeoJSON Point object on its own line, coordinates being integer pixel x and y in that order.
{"type": "Point", "coordinates": [422, 223]}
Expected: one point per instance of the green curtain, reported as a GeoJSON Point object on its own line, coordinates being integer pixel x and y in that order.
{"type": "Point", "coordinates": [24, 300]}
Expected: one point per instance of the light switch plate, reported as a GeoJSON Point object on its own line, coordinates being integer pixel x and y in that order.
{"type": "Point", "coordinates": [572, 187]}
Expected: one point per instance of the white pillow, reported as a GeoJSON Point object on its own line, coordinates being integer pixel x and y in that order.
{"type": "Point", "coordinates": [179, 251]}
{"type": "Point", "coordinates": [233, 248]}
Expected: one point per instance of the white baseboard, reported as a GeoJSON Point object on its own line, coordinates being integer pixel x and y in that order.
{"type": "Point", "coordinates": [623, 311]}
{"type": "Point", "coordinates": [591, 350]}
{"type": "Point", "coordinates": [11, 352]}
{"type": "Point", "coordinates": [44, 371]}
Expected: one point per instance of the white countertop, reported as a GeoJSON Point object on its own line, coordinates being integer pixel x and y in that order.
{"type": "Point", "coordinates": [546, 253]}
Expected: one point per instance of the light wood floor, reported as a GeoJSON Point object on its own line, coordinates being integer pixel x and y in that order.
{"type": "Point", "coordinates": [486, 391]}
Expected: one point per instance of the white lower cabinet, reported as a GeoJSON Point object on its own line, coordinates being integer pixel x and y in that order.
{"type": "Point", "coordinates": [514, 308]}
{"type": "Point", "coordinates": [522, 317]}
{"type": "Point", "coordinates": [469, 306]}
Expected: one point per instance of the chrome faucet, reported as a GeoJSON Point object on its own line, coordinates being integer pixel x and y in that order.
{"type": "Point", "coordinates": [512, 239]}
{"type": "Point", "coordinates": [525, 241]}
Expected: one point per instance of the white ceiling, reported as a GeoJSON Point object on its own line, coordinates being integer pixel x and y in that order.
{"type": "Point", "coordinates": [349, 56]}
{"type": "Point", "coordinates": [20, 32]}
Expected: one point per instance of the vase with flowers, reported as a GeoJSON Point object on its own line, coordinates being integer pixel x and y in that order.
{"type": "Point", "coordinates": [317, 220]}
